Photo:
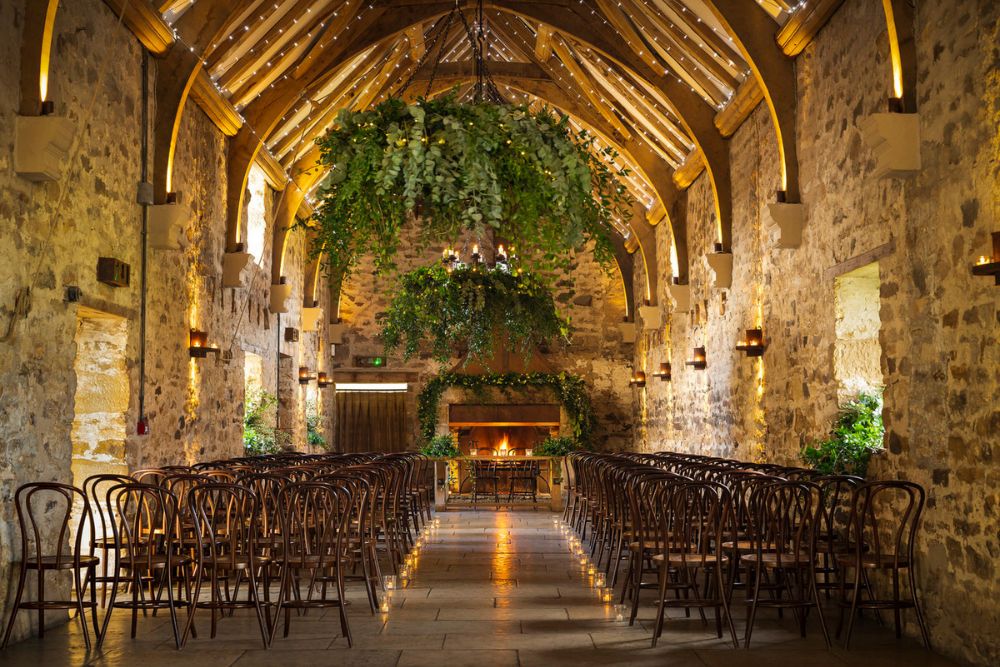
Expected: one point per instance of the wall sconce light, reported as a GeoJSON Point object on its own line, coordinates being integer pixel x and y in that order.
{"type": "Point", "coordinates": [698, 359]}
{"type": "Point", "coordinates": [638, 379]}
{"type": "Point", "coordinates": [305, 375]}
{"type": "Point", "coordinates": [198, 346]}
{"type": "Point", "coordinates": [990, 266]}
{"type": "Point", "coordinates": [664, 372]}
{"type": "Point", "coordinates": [753, 343]}
{"type": "Point", "coordinates": [323, 380]}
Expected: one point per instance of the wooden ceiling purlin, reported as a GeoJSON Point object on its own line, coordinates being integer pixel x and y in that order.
{"type": "Point", "coordinates": [655, 170]}
{"type": "Point", "coordinates": [292, 25]}
{"type": "Point", "coordinates": [265, 113]}
{"type": "Point", "coordinates": [696, 116]}
{"type": "Point", "coordinates": [721, 77]}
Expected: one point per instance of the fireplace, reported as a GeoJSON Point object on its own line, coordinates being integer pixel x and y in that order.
{"type": "Point", "coordinates": [502, 429]}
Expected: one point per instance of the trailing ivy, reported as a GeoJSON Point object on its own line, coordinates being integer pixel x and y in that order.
{"type": "Point", "coordinates": [456, 167]}
{"type": "Point", "coordinates": [569, 389]}
{"type": "Point", "coordinates": [473, 307]}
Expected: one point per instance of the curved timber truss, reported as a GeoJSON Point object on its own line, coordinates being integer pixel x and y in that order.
{"type": "Point", "coordinates": [664, 82]}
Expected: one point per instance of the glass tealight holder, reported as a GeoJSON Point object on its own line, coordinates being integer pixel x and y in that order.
{"type": "Point", "coordinates": [599, 580]}
{"type": "Point", "coordinates": [591, 570]}
{"type": "Point", "coordinates": [389, 582]}
{"type": "Point", "coordinates": [607, 594]}
{"type": "Point", "coordinates": [404, 573]}
{"type": "Point", "coordinates": [384, 605]}
{"type": "Point", "coordinates": [619, 611]}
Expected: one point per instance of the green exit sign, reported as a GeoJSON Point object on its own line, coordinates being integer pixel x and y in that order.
{"type": "Point", "coordinates": [370, 362]}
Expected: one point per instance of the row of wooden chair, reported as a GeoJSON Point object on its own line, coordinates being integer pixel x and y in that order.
{"type": "Point", "coordinates": [272, 534]}
{"type": "Point", "coordinates": [695, 529]}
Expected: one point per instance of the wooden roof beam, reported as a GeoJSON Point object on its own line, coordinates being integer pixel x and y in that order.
{"type": "Point", "coordinates": [543, 43]}
{"type": "Point", "coordinates": [755, 32]}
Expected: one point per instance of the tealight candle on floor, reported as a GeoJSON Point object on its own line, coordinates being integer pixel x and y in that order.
{"type": "Point", "coordinates": [619, 613]}
{"type": "Point", "coordinates": [607, 594]}
{"type": "Point", "coordinates": [384, 606]}
{"type": "Point", "coordinates": [591, 569]}
{"type": "Point", "coordinates": [390, 582]}
{"type": "Point", "coordinates": [599, 580]}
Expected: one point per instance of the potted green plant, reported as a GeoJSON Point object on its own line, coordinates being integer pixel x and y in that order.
{"type": "Point", "coordinates": [855, 437]}
{"type": "Point", "coordinates": [441, 447]}
{"type": "Point", "coordinates": [559, 445]}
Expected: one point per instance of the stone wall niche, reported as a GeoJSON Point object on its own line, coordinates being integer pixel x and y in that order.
{"type": "Point", "coordinates": [101, 399]}
{"type": "Point", "coordinates": [857, 354]}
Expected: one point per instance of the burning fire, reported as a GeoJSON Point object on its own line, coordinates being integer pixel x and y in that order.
{"type": "Point", "coordinates": [504, 444]}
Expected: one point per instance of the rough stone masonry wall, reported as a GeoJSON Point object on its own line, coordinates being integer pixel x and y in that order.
{"type": "Point", "coordinates": [940, 357]}
{"type": "Point", "coordinates": [590, 296]}
{"type": "Point", "coordinates": [53, 235]}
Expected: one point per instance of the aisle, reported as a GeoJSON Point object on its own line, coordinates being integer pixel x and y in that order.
{"type": "Point", "coordinates": [490, 588]}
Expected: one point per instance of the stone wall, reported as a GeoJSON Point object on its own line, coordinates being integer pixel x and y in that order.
{"type": "Point", "coordinates": [589, 295]}
{"type": "Point", "coordinates": [940, 357]}
{"type": "Point", "coordinates": [54, 233]}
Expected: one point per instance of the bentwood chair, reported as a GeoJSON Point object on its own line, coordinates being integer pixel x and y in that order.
{"type": "Point", "coordinates": [96, 487]}
{"type": "Point", "coordinates": [885, 517]}
{"type": "Point", "coordinates": [147, 541]}
{"type": "Point", "coordinates": [783, 555]}
{"type": "Point", "coordinates": [699, 520]}
{"type": "Point", "coordinates": [315, 531]}
{"type": "Point", "coordinates": [44, 517]}
{"type": "Point", "coordinates": [836, 494]}
{"type": "Point", "coordinates": [226, 519]}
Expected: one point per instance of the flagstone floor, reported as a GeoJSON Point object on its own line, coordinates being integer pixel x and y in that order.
{"type": "Point", "coordinates": [490, 588]}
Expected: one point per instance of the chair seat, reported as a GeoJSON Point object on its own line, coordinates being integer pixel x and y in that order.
{"type": "Point", "coordinates": [770, 559]}
{"type": "Point", "coordinates": [884, 562]}
{"type": "Point", "coordinates": [690, 559]}
{"type": "Point", "coordinates": [60, 562]}
{"type": "Point", "coordinates": [156, 562]}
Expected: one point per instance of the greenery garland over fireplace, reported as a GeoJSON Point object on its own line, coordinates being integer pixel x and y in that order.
{"type": "Point", "coordinates": [570, 389]}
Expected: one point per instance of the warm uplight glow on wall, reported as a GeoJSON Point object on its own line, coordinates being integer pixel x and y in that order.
{"type": "Point", "coordinates": [674, 262]}
{"type": "Point", "coordinates": [897, 60]}
{"type": "Point", "coordinates": [45, 55]}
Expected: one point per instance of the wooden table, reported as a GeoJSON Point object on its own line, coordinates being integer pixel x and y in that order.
{"type": "Point", "coordinates": [553, 472]}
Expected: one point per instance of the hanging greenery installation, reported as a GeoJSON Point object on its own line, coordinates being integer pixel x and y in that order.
{"type": "Point", "coordinates": [474, 308]}
{"type": "Point", "coordinates": [455, 167]}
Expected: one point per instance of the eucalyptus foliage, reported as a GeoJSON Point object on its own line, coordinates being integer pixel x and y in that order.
{"type": "Point", "coordinates": [856, 436]}
{"type": "Point", "coordinates": [477, 308]}
{"type": "Point", "coordinates": [570, 389]}
{"type": "Point", "coordinates": [456, 167]}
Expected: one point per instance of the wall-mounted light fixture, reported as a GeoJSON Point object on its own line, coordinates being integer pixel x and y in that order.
{"type": "Point", "coordinates": [990, 266]}
{"type": "Point", "coordinates": [198, 346]}
{"type": "Point", "coordinates": [753, 343]}
{"type": "Point", "coordinates": [638, 379]}
{"type": "Point", "coordinates": [305, 375]}
{"type": "Point", "coordinates": [698, 359]}
{"type": "Point", "coordinates": [323, 380]}
{"type": "Point", "coordinates": [664, 372]}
